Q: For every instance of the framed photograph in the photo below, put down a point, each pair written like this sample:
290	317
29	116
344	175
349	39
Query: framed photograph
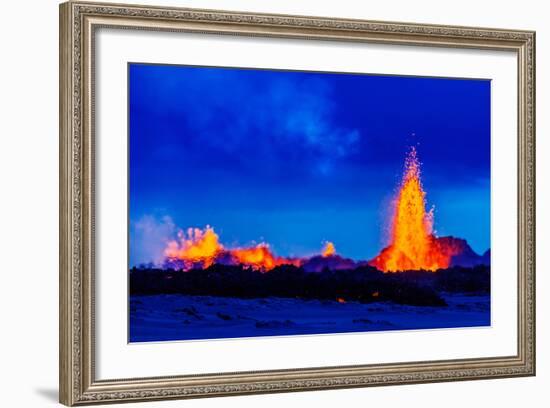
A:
256	203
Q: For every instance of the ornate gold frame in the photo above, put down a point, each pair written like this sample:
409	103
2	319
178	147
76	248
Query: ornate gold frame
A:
78	21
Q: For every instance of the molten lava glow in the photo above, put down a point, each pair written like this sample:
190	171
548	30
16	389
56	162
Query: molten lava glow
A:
413	245
258	257
329	250
261	257
202	248
195	246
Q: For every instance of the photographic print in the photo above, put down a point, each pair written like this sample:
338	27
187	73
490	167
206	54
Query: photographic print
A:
270	202
253	203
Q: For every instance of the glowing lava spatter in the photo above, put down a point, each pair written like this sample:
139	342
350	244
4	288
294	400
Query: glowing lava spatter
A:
413	245
261	257
328	250
195	246
201	248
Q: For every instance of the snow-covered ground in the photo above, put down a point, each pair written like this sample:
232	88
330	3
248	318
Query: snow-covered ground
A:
180	317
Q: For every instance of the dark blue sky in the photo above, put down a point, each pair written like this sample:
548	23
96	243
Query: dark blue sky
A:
296	158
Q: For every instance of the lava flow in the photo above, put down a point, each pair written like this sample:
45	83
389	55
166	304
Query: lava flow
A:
413	245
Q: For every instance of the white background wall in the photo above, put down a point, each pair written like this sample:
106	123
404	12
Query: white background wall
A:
29	193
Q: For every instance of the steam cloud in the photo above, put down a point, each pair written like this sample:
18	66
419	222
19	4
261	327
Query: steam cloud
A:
148	239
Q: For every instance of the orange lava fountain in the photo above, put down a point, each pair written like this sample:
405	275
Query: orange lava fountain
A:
413	245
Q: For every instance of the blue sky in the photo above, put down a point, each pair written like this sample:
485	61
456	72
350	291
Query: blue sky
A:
297	158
